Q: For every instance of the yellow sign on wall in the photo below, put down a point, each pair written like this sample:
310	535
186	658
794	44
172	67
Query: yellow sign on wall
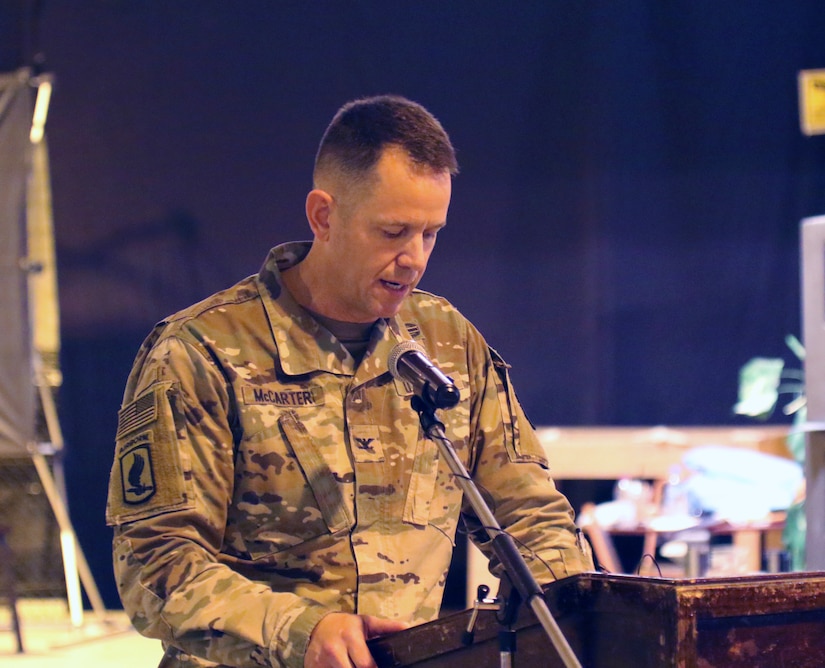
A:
812	101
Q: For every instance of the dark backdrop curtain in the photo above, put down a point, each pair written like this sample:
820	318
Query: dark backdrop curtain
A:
16	382
624	229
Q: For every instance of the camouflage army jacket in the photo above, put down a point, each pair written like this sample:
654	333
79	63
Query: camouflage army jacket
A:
263	479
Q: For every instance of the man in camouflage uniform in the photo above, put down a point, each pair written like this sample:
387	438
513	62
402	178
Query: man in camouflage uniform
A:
275	502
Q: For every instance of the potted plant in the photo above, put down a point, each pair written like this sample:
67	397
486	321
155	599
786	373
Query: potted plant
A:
761	382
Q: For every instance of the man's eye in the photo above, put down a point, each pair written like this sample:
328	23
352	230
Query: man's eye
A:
393	234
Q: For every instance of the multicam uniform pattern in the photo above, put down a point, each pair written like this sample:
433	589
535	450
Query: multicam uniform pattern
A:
263	479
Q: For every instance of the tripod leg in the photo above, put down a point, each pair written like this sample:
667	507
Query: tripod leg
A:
73	557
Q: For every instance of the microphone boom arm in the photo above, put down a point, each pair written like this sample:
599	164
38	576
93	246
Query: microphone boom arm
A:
503	545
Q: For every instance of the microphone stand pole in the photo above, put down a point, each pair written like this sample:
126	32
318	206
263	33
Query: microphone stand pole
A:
503	545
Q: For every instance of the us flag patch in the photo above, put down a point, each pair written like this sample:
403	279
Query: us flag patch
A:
138	414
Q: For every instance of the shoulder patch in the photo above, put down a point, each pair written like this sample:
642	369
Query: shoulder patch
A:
138	414
137	475
148	476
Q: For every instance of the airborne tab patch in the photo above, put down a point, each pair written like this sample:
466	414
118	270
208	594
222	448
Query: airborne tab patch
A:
284	397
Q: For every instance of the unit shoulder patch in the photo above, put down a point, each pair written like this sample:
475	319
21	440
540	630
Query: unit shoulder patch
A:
137	475
148	476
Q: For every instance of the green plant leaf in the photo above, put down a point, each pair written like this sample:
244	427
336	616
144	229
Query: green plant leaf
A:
758	387
794	344
793	535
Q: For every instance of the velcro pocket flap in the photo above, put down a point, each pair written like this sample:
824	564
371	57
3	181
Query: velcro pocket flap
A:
324	487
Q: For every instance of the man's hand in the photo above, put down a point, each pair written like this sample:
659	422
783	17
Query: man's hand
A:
340	640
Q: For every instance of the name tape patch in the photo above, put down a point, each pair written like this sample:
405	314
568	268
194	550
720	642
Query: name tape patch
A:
312	395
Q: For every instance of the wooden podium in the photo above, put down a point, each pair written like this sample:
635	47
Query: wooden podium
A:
613	621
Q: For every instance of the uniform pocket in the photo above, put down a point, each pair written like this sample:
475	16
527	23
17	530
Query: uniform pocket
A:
286	496
422	484
324	487
522	445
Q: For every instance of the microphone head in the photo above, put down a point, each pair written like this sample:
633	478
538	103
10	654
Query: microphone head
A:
397	351
430	382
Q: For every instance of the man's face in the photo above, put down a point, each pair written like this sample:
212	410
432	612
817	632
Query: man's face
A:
381	238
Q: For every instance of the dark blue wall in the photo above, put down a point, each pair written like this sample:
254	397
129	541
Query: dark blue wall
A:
624	229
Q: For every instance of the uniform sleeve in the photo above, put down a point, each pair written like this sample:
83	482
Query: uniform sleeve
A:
170	487
510	467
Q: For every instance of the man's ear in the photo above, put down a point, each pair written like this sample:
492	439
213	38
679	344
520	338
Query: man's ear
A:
318	208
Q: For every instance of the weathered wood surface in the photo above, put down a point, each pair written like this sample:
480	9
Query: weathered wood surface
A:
613	621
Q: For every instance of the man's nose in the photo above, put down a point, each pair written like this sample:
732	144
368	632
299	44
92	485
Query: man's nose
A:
414	255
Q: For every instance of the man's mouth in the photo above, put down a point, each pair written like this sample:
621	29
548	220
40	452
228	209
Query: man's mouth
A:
395	287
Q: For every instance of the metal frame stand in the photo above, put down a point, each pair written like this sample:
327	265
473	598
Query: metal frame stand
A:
40	265
75	567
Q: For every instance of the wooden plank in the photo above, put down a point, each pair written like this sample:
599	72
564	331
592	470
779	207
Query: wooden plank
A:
618	621
610	453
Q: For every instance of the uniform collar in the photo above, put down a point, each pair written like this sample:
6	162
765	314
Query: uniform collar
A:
304	346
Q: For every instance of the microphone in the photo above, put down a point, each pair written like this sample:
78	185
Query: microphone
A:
408	362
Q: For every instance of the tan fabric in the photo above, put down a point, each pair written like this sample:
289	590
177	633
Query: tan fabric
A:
291	481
